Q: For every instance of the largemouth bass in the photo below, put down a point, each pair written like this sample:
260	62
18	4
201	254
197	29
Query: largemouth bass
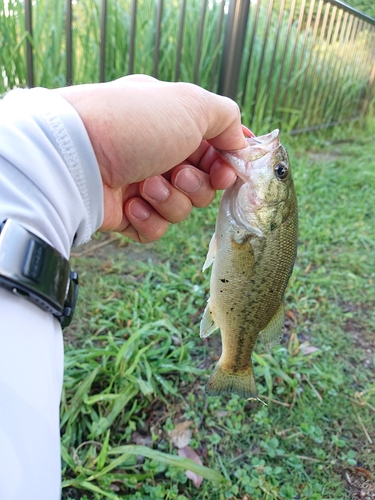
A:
253	252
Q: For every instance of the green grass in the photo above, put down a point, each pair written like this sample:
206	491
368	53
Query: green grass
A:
135	365
290	78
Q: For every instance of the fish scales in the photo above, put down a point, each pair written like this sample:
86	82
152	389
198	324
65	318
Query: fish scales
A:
253	257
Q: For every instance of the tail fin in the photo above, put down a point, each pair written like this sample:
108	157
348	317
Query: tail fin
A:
241	383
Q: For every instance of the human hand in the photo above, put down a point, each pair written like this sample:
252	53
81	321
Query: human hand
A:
154	142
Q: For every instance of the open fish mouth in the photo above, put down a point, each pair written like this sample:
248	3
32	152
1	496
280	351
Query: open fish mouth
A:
258	147
263	144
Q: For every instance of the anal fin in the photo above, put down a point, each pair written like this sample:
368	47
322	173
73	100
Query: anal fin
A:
211	253
273	332
207	323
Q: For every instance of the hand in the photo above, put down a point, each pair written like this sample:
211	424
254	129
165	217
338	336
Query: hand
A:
154	142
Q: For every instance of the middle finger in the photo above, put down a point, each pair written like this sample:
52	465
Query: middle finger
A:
171	203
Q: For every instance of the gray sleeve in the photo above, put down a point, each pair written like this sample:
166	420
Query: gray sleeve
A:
49	176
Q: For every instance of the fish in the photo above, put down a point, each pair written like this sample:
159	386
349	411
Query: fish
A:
252	254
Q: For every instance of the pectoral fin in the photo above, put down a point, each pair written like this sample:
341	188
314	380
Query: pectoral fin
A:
273	332
207	323
211	253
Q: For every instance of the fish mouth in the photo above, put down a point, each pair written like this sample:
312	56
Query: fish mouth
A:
257	147
263	144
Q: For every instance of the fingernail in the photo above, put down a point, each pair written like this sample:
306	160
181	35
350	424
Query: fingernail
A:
187	181
139	210
156	189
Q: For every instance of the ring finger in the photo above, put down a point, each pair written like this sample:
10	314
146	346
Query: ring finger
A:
168	201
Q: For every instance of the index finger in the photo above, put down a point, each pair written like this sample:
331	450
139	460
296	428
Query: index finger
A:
223	124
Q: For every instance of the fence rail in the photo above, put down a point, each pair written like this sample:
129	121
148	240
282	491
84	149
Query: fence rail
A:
289	63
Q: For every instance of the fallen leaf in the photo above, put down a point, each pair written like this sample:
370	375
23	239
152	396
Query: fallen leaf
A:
181	434
291	315
188	452
364	472
308	350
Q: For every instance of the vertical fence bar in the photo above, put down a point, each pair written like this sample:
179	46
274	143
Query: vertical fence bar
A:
272	65
343	56
366	93
370	88
325	66
260	67
103	36
133	23
200	39
306	34
234	41
309	73
286	44
159	16
360	58
248	62
291	67
300	62
180	40
337	38
69	43
217	41
310	112
348	67
29	47
363	62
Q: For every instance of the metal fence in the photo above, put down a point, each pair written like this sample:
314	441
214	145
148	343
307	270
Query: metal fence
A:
289	63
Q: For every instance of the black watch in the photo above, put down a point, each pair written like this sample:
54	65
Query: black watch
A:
31	268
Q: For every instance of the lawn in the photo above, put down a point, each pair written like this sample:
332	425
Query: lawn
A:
136	367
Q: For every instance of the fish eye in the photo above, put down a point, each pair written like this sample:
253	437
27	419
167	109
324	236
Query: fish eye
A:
281	171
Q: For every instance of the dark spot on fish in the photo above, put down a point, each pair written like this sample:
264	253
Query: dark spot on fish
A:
221	291
252	281
224	280
231	308
273	226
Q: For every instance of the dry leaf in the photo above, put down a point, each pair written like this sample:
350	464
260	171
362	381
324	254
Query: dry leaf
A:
181	434
306	350
291	315
364	472
188	452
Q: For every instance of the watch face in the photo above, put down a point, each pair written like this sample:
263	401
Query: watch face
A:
34	261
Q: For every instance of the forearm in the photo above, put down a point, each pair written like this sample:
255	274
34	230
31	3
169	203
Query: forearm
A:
50	182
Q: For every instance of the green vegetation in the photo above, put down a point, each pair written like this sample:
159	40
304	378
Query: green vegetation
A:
365	6
297	70
135	365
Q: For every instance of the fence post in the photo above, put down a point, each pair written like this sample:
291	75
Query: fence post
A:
233	48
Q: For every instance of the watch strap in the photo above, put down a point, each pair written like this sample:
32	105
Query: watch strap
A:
33	269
